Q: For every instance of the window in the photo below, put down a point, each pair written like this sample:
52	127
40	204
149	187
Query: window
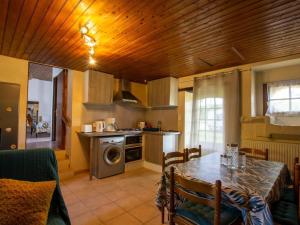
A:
283	102
211	121
284	98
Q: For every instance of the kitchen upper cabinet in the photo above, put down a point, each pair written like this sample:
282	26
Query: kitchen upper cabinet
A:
98	88
163	92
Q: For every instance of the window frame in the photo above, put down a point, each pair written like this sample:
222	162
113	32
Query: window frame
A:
266	98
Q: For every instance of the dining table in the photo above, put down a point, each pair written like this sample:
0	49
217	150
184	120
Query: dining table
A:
251	189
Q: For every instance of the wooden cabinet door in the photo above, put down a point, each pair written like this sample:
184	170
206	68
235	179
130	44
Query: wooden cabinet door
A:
163	92
153	148
98	88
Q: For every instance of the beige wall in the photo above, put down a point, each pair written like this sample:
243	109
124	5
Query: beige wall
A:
16	71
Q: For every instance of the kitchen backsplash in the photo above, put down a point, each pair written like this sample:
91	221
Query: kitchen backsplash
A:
127	116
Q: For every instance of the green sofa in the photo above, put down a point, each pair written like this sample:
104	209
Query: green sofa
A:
36	165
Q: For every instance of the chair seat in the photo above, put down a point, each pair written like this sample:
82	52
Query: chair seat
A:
285	213
204	215
55	220
288	195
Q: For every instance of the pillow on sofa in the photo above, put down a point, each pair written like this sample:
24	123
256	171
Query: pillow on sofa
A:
24	202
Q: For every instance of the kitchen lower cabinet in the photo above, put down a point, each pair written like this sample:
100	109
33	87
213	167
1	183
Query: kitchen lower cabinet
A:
155	144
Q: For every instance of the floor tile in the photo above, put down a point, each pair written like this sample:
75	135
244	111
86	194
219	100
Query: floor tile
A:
77	209
144	213
125	219
96	202
129	203
108	212
116	194
86	219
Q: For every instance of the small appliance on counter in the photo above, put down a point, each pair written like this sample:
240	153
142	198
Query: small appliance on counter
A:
141	125
99	126
110	124
86	128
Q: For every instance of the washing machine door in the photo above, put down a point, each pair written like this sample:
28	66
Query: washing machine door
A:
113	154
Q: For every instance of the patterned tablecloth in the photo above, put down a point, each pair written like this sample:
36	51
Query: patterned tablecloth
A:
250	189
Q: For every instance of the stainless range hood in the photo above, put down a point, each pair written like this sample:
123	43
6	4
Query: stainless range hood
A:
125	96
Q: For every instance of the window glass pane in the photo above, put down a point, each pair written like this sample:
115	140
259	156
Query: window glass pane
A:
219	137
219	102
202	114
202	135
295	90
277	106
210	125
202	103
210	114
295	105
279	92
210	137
219	125
202	124
210	103
219	114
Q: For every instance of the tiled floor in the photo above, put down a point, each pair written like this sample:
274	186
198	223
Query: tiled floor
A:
126	199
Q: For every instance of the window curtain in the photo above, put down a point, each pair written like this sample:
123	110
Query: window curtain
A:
216	111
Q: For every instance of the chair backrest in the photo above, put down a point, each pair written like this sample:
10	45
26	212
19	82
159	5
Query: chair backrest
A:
193	153
296	184
296	161
179	184
256	153
172	158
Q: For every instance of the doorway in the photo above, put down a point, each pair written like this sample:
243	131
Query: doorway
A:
46	107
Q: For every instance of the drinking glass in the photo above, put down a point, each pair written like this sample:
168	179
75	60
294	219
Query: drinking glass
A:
242	160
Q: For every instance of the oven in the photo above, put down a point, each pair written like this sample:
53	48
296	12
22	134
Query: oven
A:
133	147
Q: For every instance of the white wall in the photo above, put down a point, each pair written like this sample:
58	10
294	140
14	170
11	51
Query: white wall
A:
42	91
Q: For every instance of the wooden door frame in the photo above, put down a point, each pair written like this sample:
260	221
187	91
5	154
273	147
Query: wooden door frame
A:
65	119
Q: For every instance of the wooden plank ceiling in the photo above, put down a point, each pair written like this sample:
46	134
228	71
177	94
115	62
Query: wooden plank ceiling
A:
144	40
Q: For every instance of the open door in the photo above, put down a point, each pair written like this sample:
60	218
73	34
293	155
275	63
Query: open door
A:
59	121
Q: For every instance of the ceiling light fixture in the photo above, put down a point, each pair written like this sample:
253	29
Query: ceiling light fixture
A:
92	51
90	41
84	30
92	61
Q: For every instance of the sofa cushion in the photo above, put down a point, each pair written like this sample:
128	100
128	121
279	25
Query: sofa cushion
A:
204	215
24	202
285	213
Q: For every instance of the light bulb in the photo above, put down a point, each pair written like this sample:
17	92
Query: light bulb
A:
92	51
92	61
89	24
84	30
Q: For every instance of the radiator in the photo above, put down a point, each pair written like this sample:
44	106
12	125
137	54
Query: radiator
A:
278	151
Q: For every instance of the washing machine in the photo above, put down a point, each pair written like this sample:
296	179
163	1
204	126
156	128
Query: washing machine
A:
109	156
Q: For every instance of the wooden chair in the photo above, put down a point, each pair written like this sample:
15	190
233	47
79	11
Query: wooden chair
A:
196	208
193	153
172	158
290	193
169	159
284	212
256	153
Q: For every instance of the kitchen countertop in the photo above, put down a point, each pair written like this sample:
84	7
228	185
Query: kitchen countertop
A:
122	133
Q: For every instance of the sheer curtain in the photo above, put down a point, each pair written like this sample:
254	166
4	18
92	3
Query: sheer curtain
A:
216	111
